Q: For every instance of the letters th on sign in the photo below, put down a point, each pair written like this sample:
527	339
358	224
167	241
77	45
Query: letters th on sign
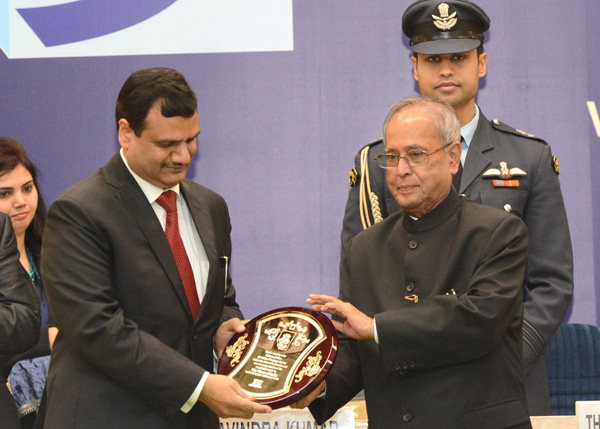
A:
588	414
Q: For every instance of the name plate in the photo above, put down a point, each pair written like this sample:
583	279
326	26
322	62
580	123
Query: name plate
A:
288	418
588	414
283	355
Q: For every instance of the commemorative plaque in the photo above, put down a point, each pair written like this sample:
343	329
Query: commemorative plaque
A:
282	356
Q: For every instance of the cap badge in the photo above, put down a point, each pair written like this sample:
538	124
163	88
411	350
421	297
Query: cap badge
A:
503	172
447	18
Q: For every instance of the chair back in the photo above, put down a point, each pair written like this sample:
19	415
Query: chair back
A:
573	367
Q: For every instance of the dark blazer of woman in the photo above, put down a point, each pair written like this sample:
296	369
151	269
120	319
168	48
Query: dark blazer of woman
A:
19	314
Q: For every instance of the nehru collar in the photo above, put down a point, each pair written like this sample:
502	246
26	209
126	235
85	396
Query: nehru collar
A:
435	217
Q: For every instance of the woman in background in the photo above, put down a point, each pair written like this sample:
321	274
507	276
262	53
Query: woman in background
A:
20	200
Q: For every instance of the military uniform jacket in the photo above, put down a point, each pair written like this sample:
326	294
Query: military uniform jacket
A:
128	353
446	295
537	200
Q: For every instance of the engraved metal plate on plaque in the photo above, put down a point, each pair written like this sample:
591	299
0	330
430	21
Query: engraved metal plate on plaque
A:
282	356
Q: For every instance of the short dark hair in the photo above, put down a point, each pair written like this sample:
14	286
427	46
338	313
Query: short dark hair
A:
146	87
480	49
13	154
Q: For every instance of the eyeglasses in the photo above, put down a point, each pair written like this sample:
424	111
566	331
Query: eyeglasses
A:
414	158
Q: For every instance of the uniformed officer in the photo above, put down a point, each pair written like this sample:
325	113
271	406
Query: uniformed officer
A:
501	167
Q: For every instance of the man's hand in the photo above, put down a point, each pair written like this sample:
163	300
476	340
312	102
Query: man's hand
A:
357	325
306	401
226	398
226	331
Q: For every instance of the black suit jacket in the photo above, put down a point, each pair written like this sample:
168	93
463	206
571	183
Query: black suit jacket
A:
128	353
548	285
19	313
446	295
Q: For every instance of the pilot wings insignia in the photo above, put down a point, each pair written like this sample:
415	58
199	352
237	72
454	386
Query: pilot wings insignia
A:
503	172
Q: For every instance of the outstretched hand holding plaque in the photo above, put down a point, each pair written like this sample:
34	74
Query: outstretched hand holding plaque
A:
282	356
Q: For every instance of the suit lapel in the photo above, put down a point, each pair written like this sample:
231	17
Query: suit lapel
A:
135	202
477	160
204	225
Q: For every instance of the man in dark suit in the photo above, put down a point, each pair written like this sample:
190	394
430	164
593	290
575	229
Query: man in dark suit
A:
19	314
502	167
135	261
431	297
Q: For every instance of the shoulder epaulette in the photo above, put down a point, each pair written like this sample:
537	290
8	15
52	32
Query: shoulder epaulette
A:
373	143
501	126
368	201
354	174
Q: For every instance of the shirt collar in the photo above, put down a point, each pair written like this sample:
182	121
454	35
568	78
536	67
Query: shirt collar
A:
151	191
468	131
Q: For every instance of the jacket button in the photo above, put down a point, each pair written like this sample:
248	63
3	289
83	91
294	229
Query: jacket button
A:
412	244
404	365
397	366
412	364
194	337
410	287
407	417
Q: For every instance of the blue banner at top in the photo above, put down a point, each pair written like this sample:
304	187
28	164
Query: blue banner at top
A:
143	27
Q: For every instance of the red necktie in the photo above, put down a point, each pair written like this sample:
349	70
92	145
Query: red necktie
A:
167	201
